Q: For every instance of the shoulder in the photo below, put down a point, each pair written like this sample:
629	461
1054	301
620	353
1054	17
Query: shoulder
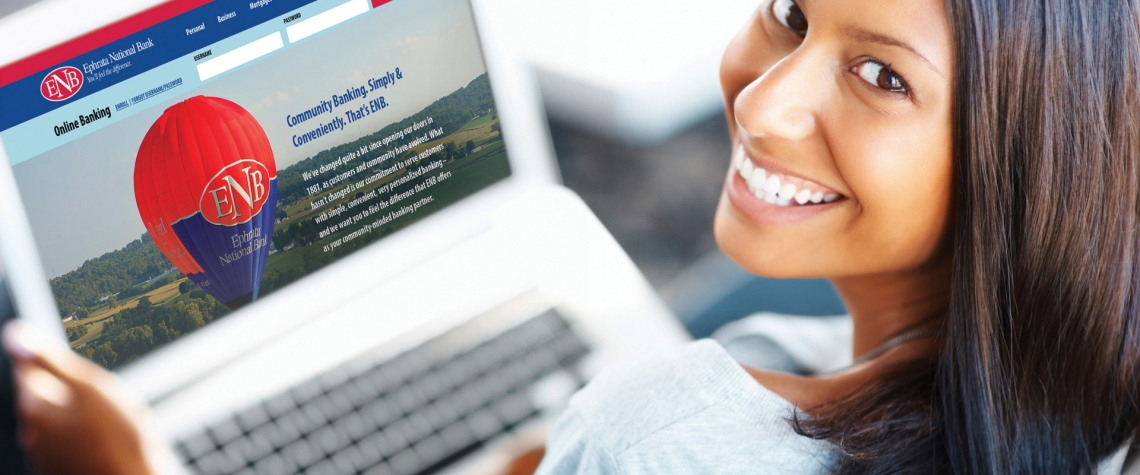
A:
687	409
666	385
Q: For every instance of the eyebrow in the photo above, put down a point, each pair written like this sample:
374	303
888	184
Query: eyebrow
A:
859	34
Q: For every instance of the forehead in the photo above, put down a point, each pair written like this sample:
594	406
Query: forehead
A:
922	24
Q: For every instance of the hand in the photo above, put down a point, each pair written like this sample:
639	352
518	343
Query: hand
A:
74	416
527	463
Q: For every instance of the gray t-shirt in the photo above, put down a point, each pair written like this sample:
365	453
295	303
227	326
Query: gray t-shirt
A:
685	410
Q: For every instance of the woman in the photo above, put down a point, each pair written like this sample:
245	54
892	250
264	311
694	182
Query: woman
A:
967	173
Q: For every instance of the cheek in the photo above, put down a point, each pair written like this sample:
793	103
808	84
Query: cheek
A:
902	184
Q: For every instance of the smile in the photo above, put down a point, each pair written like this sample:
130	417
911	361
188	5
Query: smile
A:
778	188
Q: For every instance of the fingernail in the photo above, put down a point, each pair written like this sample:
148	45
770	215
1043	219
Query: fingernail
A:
18	341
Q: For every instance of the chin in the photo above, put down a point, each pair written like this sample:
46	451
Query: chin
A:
752	248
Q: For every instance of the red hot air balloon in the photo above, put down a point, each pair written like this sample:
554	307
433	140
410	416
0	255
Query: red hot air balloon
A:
206	188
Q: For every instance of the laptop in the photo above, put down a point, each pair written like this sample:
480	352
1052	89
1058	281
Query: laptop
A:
318	236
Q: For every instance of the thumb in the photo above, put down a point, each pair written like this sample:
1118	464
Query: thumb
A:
26	345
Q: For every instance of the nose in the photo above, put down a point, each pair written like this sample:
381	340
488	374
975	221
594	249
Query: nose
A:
782	103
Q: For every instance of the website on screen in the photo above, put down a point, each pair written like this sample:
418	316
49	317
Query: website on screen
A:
192	167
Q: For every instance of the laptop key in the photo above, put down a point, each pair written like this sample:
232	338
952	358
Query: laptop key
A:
361	391
440	414
280	404
405	463
232	461
455	373
306	392
329	440
394	441
225	431
364	456
381	411
336	404
515	373
275	464
466	399
314	414
407	399
569	346
432	386
414	428
210	464
253	417
380	469
385	378
283	432
256	446
199	445
430	450
483	424
514	408
542	362
355	426
457	436
302	453
344	460
324	467
376	444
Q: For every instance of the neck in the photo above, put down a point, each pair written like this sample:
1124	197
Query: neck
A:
883	305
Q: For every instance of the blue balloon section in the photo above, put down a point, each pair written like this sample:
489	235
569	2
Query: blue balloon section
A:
232	257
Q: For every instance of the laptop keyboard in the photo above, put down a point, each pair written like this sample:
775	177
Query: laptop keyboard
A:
408	415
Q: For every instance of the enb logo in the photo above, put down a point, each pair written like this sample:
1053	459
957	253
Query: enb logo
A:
61	83
236	194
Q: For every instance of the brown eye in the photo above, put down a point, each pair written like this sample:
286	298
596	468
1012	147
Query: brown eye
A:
880	76
790	15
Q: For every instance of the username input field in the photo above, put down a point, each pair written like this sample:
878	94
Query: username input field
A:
328	18
241	55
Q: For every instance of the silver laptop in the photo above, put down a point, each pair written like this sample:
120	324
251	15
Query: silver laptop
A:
318	236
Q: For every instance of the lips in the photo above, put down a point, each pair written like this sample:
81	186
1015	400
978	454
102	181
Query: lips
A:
779	188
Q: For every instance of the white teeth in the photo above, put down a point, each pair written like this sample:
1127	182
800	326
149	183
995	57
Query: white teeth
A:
756	181
747	169
772	186
770	189
787	191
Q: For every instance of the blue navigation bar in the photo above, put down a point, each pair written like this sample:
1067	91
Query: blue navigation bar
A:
135	54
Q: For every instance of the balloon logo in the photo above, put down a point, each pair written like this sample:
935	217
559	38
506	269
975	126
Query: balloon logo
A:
206	188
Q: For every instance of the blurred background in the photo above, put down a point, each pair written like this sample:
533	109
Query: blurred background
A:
637	119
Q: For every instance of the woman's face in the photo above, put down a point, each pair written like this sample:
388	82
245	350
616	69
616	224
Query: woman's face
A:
840	115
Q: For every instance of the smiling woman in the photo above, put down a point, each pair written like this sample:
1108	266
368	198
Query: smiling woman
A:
967	174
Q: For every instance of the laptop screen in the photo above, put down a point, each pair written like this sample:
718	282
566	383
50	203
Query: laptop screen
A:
185	170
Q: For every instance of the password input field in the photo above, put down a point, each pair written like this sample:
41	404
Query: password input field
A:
241	55
326	19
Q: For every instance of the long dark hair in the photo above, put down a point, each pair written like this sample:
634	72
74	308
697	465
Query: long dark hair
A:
1040	364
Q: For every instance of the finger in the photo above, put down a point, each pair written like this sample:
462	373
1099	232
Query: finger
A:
45	409
41	399
25	343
